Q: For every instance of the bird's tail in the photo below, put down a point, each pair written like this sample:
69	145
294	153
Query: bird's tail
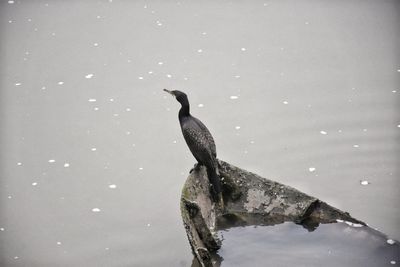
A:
215	184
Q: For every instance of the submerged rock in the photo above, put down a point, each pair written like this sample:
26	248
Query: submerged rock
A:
248	200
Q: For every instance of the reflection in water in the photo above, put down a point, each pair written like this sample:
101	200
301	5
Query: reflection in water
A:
288	244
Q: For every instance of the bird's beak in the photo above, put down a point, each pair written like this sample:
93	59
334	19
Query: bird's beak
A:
168	91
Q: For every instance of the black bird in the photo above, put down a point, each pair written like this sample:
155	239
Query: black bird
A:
200	142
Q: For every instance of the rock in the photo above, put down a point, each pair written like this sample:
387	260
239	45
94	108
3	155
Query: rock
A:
248	200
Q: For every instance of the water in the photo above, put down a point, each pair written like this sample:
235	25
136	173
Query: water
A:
289	244
306	94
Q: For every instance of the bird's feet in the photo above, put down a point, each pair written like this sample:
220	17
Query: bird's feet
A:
195	167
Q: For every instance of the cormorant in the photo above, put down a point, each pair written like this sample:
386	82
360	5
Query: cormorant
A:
200	142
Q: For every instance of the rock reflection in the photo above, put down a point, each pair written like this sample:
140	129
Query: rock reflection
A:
289	244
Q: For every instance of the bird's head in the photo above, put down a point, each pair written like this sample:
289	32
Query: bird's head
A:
181	97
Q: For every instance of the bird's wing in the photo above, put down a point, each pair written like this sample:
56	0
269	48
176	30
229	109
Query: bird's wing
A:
207	135
197	141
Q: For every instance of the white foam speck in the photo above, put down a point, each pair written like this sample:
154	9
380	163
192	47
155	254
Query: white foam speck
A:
237	127
96	210
112	186
11	2
96	108
390	241
285	102
66	165
115	114
200	105
150	72
52	160
364	182
148	225
19	163
128	109
60	83
34	183
237	76
204	33
398	126
2	229
394	91
16	258
89	76
9	197
107	248
92	100
233	97
96	44
141	168
323	132
356	146
58	243
18	84
306	23
251	142
93	149
393	262
398	70
158	23
311	169
200	50
160	63
243	49
140	78
169	75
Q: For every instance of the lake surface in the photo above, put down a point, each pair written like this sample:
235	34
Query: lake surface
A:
288	244
92	158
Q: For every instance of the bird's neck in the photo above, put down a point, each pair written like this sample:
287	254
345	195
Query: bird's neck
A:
185	110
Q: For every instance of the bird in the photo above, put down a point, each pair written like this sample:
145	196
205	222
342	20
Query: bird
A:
200	142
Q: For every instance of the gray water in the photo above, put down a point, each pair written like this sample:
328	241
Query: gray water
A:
288	244
92	159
